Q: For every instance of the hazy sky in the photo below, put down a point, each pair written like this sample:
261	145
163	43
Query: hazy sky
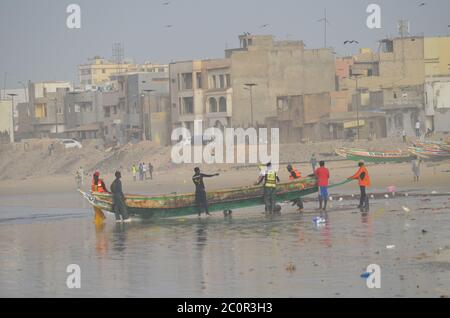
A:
36	44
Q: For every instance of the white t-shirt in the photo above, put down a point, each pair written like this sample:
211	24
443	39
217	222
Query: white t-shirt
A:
418	125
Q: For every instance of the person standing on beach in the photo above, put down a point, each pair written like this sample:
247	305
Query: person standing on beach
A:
144	171
323	177
418	129
120	208
150	170
313	162
200	191
362	175
416	169
404	136
134	172
141	172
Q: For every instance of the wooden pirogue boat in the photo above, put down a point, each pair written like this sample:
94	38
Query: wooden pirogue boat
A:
430	150
164	206
374	156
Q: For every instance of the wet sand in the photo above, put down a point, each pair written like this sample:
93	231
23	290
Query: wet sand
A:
249	255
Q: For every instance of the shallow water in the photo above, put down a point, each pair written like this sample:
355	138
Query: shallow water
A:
247	255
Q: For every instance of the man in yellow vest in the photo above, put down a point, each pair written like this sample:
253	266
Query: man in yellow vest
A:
270	186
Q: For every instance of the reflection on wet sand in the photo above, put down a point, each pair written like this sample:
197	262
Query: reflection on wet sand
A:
249	255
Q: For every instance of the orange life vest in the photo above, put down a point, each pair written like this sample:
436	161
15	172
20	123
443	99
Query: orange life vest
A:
97	187
364	182
297	174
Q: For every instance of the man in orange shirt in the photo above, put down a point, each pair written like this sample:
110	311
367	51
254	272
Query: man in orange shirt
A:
323	177
364	182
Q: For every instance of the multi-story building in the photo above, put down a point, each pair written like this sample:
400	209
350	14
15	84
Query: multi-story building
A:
84	114
47	107
139	109
99	70
6	121
275	68
201	91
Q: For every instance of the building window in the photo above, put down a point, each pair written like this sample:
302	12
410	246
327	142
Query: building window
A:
214	83
40	111
222	81
187	80
387	46
199	80
228	80
188	103
223	105
76	108
212	105
107	112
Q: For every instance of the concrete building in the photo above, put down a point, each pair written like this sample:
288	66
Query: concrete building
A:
129	111
47	107
437	108
98	70
201	91
300	117
84	115
6	121
278	68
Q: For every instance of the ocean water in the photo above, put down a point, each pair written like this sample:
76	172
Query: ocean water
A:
248	255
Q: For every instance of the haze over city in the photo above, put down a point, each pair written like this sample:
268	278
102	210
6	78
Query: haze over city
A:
37	45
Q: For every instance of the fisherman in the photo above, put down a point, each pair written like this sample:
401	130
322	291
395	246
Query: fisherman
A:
97	184
200	191
294	174
270	179
120	209
323	177
362	175
313	162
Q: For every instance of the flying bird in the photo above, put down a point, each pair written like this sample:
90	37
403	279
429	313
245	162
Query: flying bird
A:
352	41
165	3
422	4
168	25
264	25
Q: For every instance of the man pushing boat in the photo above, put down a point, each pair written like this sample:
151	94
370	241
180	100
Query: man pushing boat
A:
200	191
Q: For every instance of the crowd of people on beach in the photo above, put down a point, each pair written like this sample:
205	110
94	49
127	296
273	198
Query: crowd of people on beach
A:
142	171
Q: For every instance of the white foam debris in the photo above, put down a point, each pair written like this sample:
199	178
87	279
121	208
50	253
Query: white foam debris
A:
386	196
341	199
331	198
433	192
406	209
390	247
372	196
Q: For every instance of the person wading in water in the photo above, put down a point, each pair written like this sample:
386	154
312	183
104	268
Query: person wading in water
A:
120	209
200	191
362	175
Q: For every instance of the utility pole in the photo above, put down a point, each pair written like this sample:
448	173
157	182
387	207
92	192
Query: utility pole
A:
56	114
144	136
250	86
325	22
11	133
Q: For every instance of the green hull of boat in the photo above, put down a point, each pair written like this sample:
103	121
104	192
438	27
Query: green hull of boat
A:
378	159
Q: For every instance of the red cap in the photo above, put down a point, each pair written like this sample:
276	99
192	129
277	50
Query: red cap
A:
97	174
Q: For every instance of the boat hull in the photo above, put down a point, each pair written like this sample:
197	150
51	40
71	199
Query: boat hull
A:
218	201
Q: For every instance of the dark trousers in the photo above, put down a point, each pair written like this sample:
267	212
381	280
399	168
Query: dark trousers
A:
120	209
269	199
201	202
364	199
